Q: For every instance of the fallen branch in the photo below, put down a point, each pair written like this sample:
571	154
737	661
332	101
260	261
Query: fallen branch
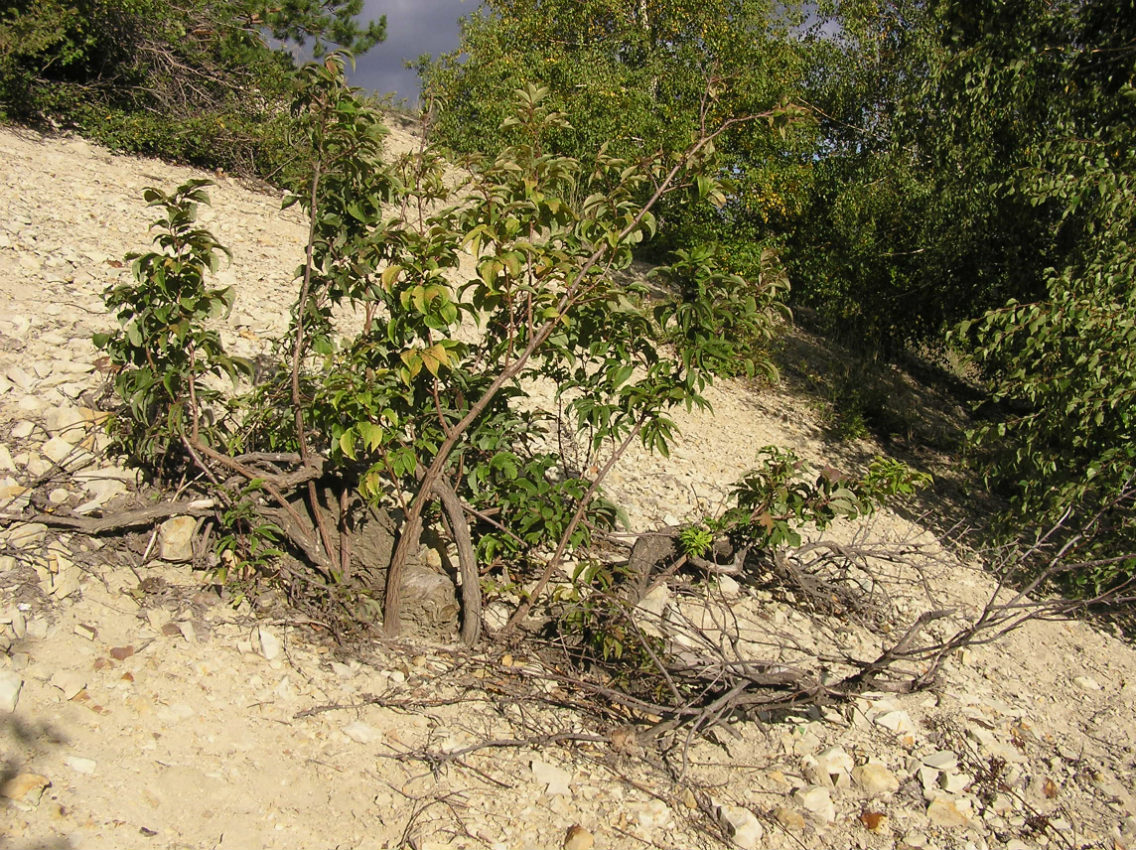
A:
119	521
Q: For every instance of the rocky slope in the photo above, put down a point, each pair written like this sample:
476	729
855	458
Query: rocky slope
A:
138	710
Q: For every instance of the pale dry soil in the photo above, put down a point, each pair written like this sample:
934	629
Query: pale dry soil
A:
137	709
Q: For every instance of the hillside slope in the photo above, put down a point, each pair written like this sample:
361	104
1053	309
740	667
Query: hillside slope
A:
138	709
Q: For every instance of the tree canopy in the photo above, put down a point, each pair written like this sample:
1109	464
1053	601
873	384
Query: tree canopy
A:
637	77
193	80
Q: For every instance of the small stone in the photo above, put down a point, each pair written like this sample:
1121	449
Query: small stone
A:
25	788
80	765
789	818
68	681
11	490
270	646
914	840
1086	683
66	422
59	577
102	490
648	612
86	632
362	733
949	812
26	534
689	800
817	801
66	455
30	404
6	462
954	783
832	768
941	760
875	779
729	587
10	685
59	496
496	614
175	539
741	825
578	838
20	378
1002	805
38	466
654	814
121	653
928	780
555	780
22	429
896	722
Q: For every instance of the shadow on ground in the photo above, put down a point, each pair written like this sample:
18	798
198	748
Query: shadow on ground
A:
23	742
917	411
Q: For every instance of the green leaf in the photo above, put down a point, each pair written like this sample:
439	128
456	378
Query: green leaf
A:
347	443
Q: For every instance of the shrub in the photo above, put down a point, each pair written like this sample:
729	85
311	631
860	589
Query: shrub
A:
404	410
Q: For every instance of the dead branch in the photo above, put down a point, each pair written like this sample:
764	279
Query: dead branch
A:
119	521
439	757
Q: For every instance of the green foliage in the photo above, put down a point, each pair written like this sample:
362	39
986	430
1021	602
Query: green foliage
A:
1065	365
908	226
535	221
720	313
977	166
780	495
248	547
193	81
696	540
162	350
637	77
1060	364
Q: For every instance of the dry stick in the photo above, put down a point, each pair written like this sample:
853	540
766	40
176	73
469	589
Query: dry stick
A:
866	677
126	519
412	528
299	534
438	756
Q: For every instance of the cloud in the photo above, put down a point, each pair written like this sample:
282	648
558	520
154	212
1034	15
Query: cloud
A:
414	27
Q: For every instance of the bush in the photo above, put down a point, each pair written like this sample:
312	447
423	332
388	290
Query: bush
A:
404	411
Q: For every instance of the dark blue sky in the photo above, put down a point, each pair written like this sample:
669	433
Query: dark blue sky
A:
414	27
